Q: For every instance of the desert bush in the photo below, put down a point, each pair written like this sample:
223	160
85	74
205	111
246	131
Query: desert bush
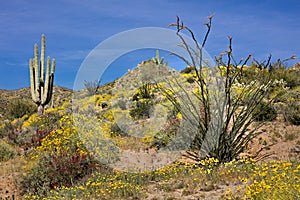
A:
13	130
286	94
291	77
6	151
187	70
144	92
17	108
190	80
292	112
3	131
263	71
61	159
92	87
142	109
164	136
144	101
279	94
27	133
50	121
57	170
30	138
254	72
24	138
116	130
264	112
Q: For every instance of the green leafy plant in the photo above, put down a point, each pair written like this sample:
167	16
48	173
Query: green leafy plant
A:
165	136
17	108
279	71
13	130
292	112
144	92
116	130
6	151
142	109
264	112
144	101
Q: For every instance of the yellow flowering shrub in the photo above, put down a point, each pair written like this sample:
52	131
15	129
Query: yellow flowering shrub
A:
31	120
62	139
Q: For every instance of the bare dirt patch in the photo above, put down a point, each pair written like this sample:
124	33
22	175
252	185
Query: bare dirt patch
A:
9	177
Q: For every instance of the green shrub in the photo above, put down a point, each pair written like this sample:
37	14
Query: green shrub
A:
276	71
13	130
17	108
50	121
253	73
29	135
3	131
291	77
286	95
144	92
264	112
163	137
17	135
144	101
115	129
6	152
187	70
92	87
142	109
292	113
190	80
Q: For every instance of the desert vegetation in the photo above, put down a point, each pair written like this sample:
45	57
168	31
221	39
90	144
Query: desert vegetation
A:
236	125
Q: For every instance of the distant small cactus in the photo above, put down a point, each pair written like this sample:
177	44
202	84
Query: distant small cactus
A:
157	60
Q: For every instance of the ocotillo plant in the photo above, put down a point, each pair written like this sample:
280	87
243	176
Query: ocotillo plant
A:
219	120
41	84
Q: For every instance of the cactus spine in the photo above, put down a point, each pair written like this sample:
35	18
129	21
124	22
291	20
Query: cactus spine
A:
41	84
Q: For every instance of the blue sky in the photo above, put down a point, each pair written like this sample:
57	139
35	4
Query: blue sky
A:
74	27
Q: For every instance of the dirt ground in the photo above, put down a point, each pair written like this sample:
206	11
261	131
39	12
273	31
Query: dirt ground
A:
9	177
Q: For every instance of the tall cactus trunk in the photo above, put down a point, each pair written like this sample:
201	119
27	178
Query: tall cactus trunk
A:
40	110
41	82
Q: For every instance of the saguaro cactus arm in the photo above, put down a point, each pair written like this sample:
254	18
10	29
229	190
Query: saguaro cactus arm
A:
48	88
36	74
42	65
32	80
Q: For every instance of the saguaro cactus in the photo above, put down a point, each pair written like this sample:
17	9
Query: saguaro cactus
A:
157	60
41	84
